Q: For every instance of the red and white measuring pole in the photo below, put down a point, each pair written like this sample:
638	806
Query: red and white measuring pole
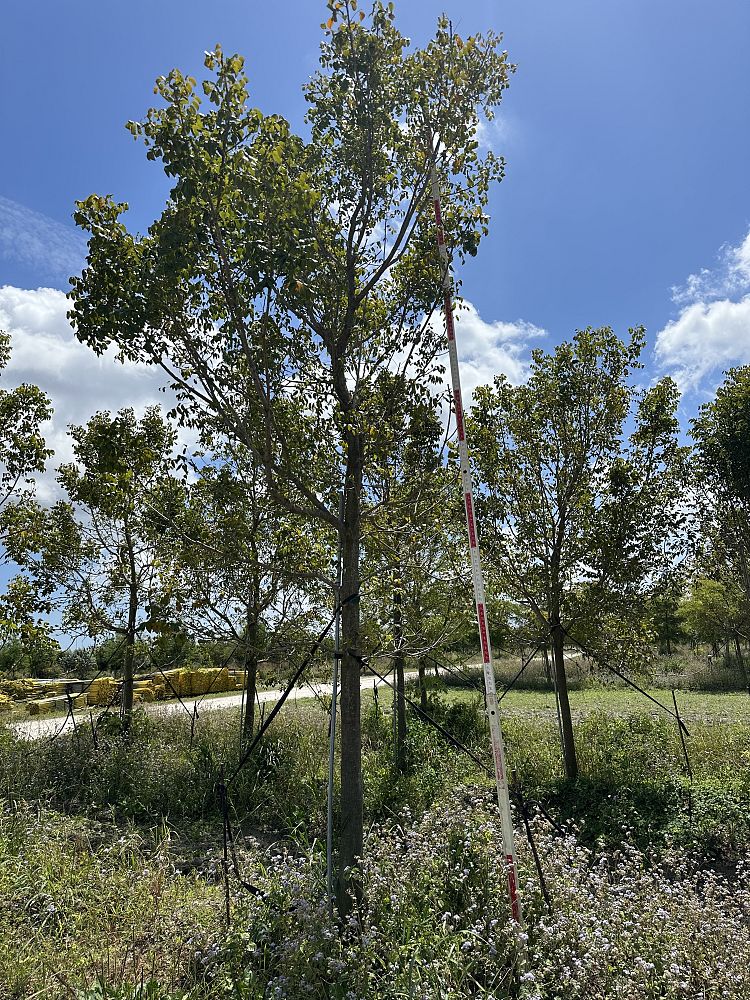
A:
493	711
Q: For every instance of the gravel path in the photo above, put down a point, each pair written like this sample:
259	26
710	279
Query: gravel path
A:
35	728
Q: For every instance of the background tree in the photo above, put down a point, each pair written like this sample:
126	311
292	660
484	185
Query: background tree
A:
284	277
23	452
712	612
241	569
721	433
22	449
574	514
414	554
94	556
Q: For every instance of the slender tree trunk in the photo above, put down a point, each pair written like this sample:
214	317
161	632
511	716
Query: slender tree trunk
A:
547	666
127	674
569	747
351	738
740	659
251	674
398	663
422	685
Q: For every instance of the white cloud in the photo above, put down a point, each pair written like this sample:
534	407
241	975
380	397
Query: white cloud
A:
46	353
712	331
729	277
54	251
705	338
489	349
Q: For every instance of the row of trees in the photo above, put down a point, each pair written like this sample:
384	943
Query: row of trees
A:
288	292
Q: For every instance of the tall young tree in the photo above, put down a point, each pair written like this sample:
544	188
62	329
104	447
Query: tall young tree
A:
414	552
239	568
94	556
722	476
23	453
284	276
575	514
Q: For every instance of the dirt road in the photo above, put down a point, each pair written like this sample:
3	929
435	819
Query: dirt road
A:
35	728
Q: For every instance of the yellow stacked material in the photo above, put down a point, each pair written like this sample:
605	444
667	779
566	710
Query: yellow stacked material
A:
22	688
238	680
80	700
46	704
6	703
49	690
177	682
102	690
209	681
144	694
160	690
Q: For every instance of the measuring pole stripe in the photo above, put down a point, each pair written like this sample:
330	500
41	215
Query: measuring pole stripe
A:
449	313
470	520
493	713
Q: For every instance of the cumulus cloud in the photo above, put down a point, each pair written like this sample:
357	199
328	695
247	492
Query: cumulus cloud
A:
46	353
706	338
712	331
54	251
729	277
489	349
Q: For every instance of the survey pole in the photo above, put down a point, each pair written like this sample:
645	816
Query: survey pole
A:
493	711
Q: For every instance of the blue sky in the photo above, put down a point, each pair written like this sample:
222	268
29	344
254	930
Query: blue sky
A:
626	199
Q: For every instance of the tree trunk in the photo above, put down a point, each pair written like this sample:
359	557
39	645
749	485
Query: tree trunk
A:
422	685
740	659
398	663
569	747
351	739
127	674
251	675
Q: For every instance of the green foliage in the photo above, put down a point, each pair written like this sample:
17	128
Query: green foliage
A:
722	464
93	556
711	610
22	448
722	436
567	504
94	908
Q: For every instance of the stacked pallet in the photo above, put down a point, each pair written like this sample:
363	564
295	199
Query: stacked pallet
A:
42	705
102	691
176	682
209	681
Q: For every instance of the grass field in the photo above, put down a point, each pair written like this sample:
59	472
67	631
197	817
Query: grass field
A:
111	858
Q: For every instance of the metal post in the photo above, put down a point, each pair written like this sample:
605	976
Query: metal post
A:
334	698
493	711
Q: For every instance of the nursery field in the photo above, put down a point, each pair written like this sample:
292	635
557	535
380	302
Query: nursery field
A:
113	884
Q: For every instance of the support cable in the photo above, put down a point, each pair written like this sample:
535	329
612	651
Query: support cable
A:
618	673
290	687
